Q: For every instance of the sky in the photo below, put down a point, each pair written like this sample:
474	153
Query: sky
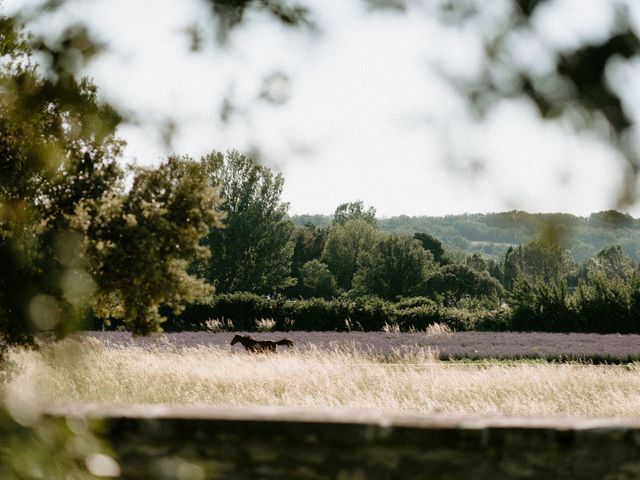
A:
360	110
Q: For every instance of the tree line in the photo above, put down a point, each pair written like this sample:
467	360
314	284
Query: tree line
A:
351	269
260	250
491	234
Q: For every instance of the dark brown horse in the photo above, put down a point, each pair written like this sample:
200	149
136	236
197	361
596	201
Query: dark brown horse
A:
259	346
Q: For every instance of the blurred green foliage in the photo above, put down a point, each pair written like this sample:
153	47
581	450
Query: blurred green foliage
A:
53	448
71	236
74	241
230	13
57	148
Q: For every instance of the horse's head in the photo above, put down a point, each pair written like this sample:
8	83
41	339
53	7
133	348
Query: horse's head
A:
236	339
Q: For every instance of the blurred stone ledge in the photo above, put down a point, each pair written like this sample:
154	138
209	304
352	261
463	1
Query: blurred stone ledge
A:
152	441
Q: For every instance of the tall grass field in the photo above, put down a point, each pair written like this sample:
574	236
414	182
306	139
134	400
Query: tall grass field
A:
86	370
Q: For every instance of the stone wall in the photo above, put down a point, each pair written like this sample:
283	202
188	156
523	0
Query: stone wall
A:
273	443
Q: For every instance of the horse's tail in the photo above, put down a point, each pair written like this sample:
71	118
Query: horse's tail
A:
285	342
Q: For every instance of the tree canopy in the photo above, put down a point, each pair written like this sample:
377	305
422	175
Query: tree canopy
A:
394	266
540	260
253	251
354	211
343	247
317	280
139	245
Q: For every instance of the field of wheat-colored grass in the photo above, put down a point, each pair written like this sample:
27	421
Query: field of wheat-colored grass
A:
87	370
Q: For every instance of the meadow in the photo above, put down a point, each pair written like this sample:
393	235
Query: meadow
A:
106	369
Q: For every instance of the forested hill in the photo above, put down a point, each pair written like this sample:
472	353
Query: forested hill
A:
492	233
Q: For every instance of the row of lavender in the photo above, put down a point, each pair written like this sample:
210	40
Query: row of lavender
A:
581	347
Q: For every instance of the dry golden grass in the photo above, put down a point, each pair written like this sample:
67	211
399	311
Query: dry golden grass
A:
438	330
411	381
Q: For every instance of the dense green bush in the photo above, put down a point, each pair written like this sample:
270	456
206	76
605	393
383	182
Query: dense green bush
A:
416	313
453	282
605	306
541	306
598	305
368	313
494	320
317	314
242	308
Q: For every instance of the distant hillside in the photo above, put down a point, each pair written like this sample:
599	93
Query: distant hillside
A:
493	233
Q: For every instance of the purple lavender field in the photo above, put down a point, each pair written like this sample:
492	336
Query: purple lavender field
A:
613	348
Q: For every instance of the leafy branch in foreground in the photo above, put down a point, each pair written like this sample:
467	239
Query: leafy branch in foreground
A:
57	147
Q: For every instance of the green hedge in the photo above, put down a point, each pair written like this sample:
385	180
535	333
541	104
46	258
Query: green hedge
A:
368	314
600	305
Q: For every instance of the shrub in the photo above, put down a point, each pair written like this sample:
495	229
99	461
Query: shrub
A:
604	306
601	305
411	302
453	282
317	314
542	307
417	318
193	318
243	309
496	320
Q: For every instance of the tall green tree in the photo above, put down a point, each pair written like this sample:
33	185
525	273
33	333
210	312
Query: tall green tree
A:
354	211
308	245
476	262
611	262
394	266
540	260
344	245
253	251
509	269
431	244
541	306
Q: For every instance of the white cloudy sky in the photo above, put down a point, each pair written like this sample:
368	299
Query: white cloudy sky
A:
367	114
